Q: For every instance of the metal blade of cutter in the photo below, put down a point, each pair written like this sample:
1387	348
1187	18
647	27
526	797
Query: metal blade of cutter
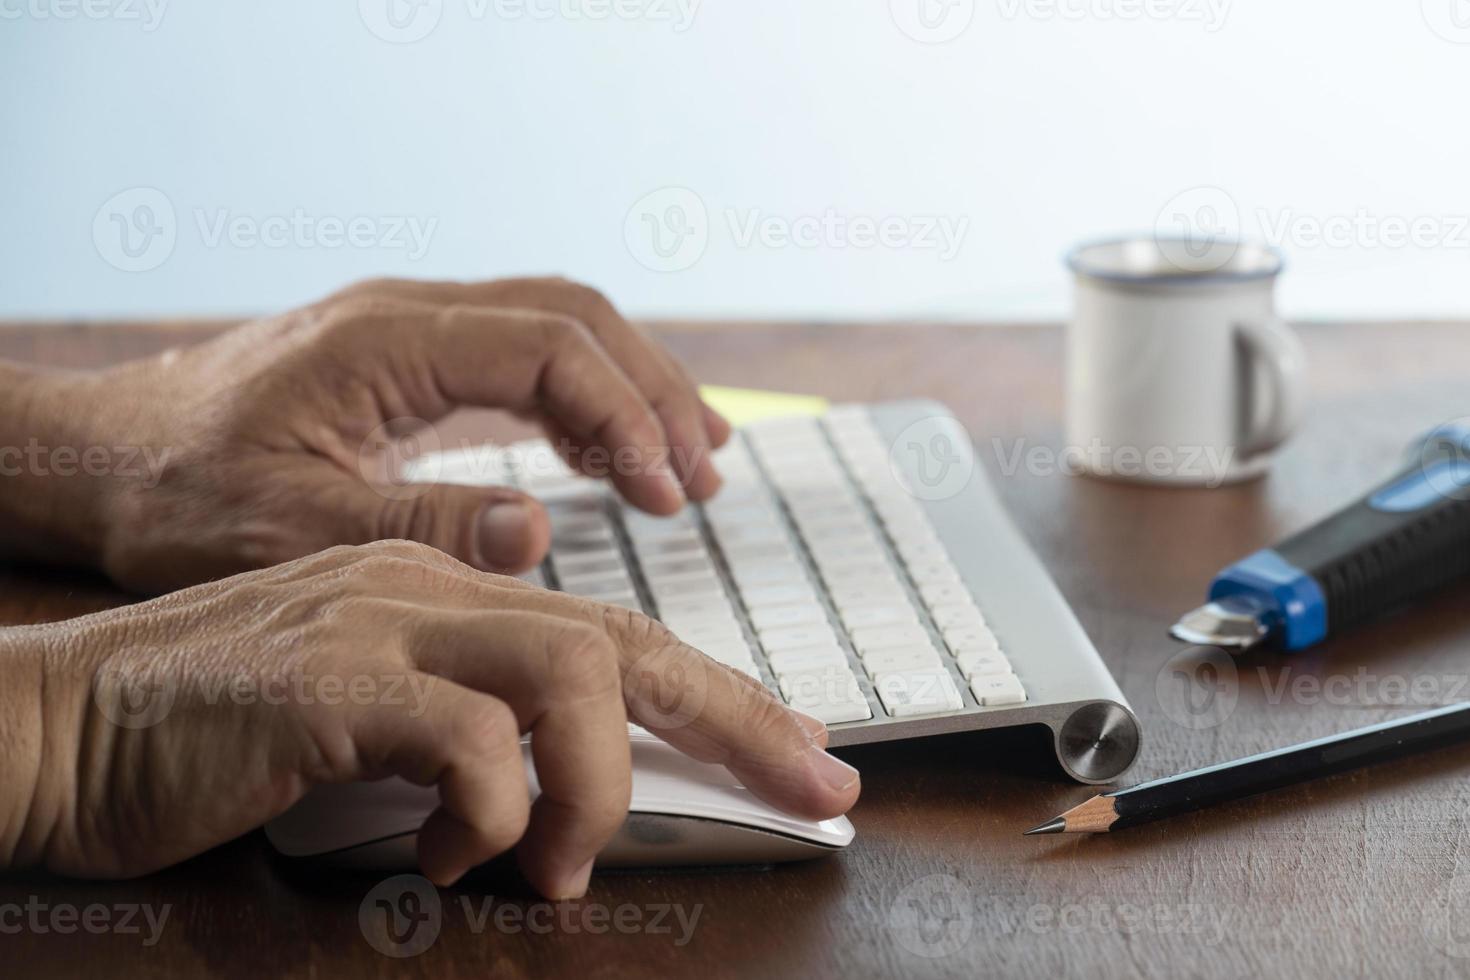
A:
1232	623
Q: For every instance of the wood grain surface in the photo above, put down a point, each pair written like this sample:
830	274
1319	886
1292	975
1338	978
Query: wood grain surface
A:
1364	875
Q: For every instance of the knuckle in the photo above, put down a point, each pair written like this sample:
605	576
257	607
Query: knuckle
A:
585	297
606	809
337	555
342	608
634	631
562	332
583	663
352	317
395	562
487	730
399	550
762	715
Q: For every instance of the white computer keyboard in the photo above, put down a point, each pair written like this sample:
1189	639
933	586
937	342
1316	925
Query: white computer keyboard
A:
858	564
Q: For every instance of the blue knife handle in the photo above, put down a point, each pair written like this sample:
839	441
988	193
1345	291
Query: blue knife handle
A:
1408	537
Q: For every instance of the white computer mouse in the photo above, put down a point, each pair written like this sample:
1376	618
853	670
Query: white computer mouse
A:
682	812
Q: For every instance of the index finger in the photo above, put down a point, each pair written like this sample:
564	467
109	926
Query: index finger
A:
693	427
715	714
526	360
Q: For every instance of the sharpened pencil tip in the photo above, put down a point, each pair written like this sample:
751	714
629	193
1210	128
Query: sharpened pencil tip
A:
1056	825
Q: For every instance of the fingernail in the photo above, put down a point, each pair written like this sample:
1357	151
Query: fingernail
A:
576	885
834	772
502	535
813	727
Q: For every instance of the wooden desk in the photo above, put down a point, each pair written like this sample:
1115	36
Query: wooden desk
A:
1361	875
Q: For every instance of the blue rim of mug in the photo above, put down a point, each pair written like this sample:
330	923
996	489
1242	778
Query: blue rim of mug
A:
1184	277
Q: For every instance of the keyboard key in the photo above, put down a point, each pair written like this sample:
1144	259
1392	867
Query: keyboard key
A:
749	669
646	527
696	607
740	552
666	579
806	659
831	695
945	593
901	659
974	663
796	637
763	529
997	689
731	656
734	646
671	546
888	637
918	692
956	614
667	566
581	529
851	570
917	550
750	574
856	617
599	563
966	638
687	587
859	592
777	595
815	507
934	573
566	546
833	528
595	584
698	632
775	617
858	546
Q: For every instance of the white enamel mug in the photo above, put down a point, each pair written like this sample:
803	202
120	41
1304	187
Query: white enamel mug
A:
1178	369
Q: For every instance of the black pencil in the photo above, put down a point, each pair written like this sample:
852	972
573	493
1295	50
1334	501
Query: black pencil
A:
1262	773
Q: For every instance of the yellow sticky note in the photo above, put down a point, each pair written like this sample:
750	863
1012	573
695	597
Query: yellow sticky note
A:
745	405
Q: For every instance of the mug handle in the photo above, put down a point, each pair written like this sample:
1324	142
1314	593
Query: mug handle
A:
1276	355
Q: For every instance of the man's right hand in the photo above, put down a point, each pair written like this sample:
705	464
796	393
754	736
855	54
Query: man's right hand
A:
144	735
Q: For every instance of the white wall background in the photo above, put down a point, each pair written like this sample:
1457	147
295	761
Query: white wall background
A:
519	134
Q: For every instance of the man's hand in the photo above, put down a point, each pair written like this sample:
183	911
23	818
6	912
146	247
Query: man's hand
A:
257	437
138	737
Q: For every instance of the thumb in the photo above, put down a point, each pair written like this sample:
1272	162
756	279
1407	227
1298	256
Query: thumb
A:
494	529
